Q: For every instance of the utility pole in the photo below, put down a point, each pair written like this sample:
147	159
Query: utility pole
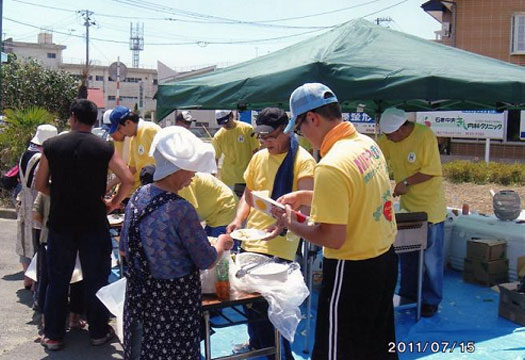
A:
87	23
382	20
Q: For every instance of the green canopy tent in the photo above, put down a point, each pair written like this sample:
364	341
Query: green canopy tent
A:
363	64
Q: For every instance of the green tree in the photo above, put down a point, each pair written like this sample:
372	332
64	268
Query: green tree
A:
28	83
18	128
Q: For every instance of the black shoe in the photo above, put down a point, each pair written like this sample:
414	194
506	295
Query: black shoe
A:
428	310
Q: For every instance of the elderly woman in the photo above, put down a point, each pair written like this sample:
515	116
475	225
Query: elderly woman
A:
166	246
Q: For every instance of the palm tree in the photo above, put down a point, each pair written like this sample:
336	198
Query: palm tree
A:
18	128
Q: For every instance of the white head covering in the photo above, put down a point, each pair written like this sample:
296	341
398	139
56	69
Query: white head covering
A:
175	147
44	132
391	120
105	118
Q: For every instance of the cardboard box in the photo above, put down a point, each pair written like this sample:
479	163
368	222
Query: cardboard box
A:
486	249
521	267
486	273
511	303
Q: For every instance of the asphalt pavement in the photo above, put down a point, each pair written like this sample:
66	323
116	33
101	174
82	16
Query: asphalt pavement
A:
19	325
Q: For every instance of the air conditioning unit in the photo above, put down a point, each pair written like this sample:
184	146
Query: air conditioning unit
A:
445	29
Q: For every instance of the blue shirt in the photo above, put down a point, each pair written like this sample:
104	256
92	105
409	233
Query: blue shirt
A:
173	239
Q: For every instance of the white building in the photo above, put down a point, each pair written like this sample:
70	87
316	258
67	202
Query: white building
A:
136	90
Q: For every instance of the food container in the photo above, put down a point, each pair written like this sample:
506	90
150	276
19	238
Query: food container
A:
271	271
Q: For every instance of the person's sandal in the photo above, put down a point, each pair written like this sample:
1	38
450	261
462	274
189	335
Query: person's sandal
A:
52	345
101	341
77	324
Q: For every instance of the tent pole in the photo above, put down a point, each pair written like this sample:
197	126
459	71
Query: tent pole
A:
376	129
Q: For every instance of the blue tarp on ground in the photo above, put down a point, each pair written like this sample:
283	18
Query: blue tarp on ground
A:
468	313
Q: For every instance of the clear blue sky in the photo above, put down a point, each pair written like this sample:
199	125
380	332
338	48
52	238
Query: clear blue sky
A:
201	32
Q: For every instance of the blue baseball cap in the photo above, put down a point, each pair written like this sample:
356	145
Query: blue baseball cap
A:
308	97
117	115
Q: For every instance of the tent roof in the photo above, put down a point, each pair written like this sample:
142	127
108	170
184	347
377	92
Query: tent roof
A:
363	64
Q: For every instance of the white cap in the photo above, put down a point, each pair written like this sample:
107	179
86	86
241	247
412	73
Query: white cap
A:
44	132
105	118
175	147
222	116
391	120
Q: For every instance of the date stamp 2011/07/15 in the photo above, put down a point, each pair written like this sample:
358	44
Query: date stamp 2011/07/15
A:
432	346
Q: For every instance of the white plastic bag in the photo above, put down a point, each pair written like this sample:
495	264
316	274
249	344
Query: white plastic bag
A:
75	277
208	280
284	293
113	296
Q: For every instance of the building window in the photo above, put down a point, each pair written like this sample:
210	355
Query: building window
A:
518	34
51	55
133	79
111	98
155	82
99	78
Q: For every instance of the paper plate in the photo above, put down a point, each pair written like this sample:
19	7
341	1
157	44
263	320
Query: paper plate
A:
248	234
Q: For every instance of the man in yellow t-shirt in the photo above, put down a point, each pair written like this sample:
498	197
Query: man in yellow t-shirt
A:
352	218
236	141
281	167
413	156
141	133
214	202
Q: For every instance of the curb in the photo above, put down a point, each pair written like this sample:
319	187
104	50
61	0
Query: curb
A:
7	213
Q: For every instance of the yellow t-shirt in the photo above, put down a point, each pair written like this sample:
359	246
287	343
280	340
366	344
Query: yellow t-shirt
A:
260	175
214	201
140	145
352	188
418	152
237	145
123	149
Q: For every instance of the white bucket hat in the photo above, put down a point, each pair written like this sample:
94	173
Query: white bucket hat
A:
391	120
44	132
175	148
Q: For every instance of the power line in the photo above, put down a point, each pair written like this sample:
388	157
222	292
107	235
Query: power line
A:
387	8
229	22
198	42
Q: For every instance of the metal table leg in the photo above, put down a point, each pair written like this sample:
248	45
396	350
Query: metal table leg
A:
207	344
277	345
419	283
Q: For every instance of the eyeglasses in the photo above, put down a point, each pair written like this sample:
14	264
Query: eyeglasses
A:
271	136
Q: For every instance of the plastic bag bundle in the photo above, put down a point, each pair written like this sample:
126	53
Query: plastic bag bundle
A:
76	276
113	296
284	291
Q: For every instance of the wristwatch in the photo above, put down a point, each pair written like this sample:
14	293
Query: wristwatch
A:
406	183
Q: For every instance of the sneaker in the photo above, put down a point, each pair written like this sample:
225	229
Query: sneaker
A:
101	341
51	345
428	310
242	348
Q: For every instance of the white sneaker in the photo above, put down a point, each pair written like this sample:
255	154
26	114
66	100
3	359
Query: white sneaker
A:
242	348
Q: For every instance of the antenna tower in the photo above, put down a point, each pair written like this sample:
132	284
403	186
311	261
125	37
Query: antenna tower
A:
136	42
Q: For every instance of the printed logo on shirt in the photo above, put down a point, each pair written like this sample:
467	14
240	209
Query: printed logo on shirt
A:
411	157
367	163
141	150
240	138
386	209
